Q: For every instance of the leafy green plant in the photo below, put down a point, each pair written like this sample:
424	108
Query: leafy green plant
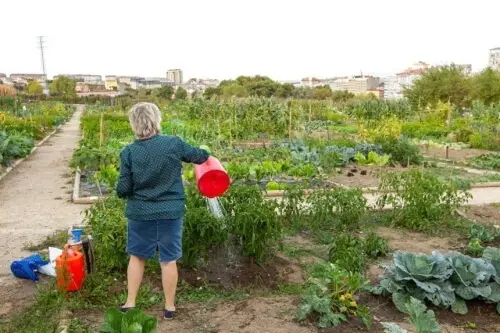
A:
478	231
419	200
372	159
107	175
133	321
347	252
336	209
487	161
471	280
331	297
424	321
274	186
202	232
375	246
444	280
253	221
474	247
109	230
402	150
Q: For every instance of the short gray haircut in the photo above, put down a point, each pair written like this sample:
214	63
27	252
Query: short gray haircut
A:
145	119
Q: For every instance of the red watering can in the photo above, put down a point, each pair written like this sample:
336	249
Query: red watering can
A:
213	181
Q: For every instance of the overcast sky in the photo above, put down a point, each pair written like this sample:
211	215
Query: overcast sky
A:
285	40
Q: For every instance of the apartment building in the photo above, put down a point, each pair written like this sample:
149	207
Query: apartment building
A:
40	78
88	78
111	82
495	58
175	75
394	86
311	82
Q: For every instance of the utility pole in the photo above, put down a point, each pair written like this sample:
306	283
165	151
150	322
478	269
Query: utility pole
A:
41	42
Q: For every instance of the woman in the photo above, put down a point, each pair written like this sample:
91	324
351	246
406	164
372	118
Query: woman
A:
150	180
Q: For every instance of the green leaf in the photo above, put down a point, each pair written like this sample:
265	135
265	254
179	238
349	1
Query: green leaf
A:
425	322
459	306
400	300
112	321
304	310
393	328
495	292
134	328
149	325
498	308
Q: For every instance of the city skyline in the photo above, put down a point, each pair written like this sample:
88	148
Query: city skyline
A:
222	39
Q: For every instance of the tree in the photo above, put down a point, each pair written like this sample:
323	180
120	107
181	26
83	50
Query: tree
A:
486	86
34	88
322	92
63	86
342	96
166	92
285	90
443	83
211	92
234	90
181	93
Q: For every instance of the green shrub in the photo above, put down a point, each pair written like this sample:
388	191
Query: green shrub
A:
402	151
109	231
202	232
338	209
253	221
330	297
347	252
419	200
484	140
375	246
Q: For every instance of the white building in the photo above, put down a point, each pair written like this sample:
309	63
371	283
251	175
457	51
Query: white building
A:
88	78
199	85
495	58
175	75
394	86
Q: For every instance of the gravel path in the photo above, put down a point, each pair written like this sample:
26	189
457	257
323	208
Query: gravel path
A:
35	197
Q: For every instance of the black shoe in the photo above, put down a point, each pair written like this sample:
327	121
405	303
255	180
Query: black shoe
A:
125	309
168	315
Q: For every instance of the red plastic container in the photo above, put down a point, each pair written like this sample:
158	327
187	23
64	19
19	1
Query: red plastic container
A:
213	181
70	269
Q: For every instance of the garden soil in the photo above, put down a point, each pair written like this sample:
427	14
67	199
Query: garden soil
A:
35	201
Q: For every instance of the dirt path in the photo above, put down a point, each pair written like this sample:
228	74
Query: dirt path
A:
35	202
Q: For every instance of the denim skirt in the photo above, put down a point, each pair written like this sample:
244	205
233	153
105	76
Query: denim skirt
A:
144	238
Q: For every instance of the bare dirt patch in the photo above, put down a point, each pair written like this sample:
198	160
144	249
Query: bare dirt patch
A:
453	155
487	214
415	242
274	314
245	273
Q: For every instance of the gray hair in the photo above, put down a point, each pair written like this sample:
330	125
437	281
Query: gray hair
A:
145	119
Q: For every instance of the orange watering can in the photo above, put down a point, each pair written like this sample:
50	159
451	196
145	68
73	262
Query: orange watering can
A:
70	269
213	181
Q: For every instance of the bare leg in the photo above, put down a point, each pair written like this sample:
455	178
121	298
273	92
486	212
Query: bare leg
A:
135	272
169	277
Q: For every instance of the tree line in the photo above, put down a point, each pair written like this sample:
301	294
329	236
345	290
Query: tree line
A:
451	84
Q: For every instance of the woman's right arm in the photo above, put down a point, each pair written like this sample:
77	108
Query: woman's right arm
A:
190	154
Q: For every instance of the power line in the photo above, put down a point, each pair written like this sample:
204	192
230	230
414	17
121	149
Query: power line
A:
41	42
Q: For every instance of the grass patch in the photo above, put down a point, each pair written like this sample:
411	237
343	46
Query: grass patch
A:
208	294
40	317
57	239
291	289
